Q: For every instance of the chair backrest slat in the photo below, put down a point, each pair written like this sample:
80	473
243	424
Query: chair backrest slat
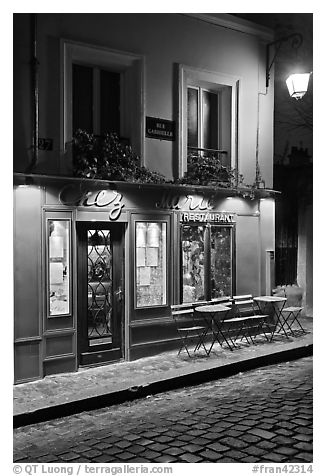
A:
244	305
182	315
244	302
182	312
243	296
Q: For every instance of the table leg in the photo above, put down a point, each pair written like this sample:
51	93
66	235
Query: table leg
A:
215	334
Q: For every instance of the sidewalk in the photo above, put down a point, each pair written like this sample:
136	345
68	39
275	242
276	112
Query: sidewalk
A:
65	394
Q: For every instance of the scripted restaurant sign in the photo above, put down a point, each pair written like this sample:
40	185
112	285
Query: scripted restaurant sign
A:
200	208
73	195
160	128
194	208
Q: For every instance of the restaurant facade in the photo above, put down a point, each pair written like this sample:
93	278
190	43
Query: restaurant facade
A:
98	262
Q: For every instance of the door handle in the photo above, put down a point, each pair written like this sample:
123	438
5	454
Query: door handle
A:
119	294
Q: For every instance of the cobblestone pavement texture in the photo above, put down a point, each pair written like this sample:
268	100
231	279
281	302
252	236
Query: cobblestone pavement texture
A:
63	388
264	415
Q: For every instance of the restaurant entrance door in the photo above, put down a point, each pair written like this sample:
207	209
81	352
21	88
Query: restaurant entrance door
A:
100	292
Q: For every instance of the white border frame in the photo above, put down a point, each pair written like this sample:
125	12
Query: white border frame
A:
121	62
186	76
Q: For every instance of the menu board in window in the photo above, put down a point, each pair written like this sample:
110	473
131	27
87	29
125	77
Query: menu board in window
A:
151	264
58	267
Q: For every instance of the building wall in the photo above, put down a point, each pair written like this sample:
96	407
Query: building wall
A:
164	40
28	325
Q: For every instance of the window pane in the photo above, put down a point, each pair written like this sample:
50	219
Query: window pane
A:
59	267
209	126
82	98
192	117
221	261
193	267
150	264
110	102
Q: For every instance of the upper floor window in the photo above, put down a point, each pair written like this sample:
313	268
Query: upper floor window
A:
96	99
202	130
102	91
208	111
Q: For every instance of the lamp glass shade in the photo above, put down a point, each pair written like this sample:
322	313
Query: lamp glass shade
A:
298	84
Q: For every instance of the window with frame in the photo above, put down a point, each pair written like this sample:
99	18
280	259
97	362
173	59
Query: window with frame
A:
58	265
102	91
150	264
208	108
207	262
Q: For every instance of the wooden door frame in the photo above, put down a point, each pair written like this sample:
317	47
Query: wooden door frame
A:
100	354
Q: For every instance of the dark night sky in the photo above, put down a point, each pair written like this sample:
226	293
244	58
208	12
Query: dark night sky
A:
291	116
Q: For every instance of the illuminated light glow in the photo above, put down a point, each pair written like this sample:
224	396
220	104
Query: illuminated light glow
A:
297	84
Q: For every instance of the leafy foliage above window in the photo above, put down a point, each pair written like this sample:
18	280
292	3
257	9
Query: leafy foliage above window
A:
106	157
207	169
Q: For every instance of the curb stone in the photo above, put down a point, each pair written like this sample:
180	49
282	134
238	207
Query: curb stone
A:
158	386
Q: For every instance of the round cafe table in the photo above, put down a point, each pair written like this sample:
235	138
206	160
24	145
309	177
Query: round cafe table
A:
277	303
213	316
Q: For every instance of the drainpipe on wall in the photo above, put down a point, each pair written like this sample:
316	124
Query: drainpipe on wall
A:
35	86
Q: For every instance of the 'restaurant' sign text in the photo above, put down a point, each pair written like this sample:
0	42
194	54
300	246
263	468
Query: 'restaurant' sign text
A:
195	208
220	217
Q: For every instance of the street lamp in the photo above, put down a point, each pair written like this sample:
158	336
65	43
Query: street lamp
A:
297	83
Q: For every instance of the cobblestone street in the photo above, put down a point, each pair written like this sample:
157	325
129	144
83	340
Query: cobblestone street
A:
263	415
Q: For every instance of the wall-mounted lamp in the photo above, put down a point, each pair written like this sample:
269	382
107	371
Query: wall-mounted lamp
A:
297	84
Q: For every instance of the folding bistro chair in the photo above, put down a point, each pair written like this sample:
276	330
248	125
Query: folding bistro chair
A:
248	322
190	331
290	316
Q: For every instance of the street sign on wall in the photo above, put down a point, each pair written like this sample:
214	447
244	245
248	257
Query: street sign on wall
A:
160	128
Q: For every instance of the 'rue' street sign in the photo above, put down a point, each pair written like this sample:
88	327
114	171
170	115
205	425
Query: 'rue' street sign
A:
160	128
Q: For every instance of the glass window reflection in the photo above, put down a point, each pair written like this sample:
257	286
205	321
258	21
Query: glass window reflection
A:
151	264
58	267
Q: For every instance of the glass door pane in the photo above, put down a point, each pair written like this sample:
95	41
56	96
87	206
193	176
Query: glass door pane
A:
193	263
110	102
221	261
192	121
82	117
209	117
99	282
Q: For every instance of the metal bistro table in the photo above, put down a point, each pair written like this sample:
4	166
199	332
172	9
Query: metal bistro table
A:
277	303
214	315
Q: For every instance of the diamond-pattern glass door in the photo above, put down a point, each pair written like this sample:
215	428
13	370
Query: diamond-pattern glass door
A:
99	283
100	292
